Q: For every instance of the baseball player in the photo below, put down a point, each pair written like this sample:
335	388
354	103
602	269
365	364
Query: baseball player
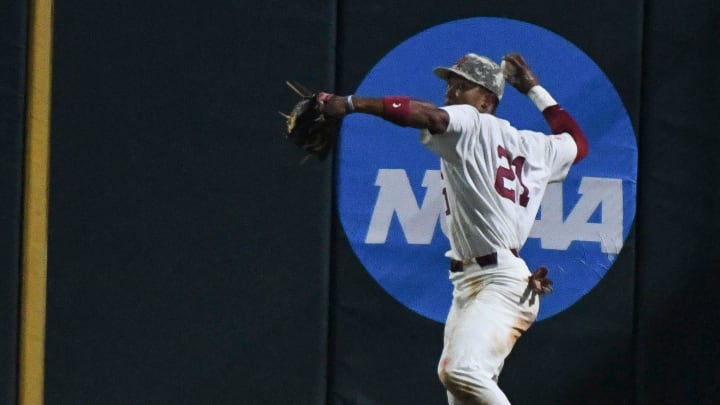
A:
494	177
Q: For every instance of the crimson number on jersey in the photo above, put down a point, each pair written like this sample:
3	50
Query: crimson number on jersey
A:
511	172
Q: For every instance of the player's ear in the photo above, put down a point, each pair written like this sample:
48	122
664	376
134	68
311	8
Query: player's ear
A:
493	101
488	104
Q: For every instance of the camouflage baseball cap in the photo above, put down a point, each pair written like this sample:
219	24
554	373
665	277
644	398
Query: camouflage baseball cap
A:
478	69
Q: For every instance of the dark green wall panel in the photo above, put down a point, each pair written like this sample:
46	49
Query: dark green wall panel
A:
13	47
679	220
188	254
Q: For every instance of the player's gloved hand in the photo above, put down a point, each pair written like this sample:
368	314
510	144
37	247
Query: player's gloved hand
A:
313	125
332	105
539	282
517	72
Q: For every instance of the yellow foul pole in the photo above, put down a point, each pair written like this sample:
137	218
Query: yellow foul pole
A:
35	214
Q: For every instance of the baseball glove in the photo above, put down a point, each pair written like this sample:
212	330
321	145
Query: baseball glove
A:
539	283
307	127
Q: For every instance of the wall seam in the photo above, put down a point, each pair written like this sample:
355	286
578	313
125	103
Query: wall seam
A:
334	57
636	372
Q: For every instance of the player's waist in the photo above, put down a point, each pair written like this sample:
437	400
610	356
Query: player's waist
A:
490	259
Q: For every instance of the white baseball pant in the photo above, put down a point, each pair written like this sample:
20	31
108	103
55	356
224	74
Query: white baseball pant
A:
491	308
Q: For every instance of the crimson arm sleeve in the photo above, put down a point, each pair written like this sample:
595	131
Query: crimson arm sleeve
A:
560	121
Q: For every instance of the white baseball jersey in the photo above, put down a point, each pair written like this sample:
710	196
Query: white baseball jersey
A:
494	178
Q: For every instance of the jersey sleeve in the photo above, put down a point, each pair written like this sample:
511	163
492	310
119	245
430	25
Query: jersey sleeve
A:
561	152
559	120
463	121
556	152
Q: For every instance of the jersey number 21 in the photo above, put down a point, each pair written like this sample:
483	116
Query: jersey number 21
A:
511	173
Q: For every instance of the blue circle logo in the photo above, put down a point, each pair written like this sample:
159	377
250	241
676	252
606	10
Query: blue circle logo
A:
388	183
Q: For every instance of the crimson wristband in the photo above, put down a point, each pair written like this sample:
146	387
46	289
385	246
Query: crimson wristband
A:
396	109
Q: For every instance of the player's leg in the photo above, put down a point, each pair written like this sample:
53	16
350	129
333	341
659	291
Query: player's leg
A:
481	331
474	351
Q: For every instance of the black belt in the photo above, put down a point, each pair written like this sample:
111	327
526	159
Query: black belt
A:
456	266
